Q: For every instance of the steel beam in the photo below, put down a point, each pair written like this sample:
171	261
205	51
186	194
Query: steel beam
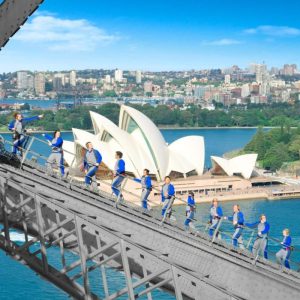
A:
164	261
13	14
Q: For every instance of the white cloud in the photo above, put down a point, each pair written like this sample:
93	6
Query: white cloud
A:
64	34
274	30
222	42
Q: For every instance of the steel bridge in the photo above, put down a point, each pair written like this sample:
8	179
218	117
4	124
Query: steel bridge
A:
151	253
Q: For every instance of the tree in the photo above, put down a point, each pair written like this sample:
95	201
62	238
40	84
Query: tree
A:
276	156
259	144
110	94
294	148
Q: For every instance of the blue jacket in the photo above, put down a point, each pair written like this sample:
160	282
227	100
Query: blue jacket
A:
120	167
191	205
147	180
59	141
219	212
240	218
97	156
24	121
286	243
191	201
255	224
171	192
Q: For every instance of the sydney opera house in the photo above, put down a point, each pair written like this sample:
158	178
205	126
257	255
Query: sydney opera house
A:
142	144
242	165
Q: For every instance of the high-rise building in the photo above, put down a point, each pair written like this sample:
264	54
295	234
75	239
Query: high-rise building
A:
245	90
30	82
261	73
264	88
39	83
22	80
289	70
107	79
138	77
252	68
148	87
199	91
73	78
62	77
57	83
227	79
118	75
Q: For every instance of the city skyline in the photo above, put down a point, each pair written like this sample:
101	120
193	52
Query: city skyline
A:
155	36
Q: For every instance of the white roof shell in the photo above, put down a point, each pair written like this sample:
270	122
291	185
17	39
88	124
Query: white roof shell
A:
142	144
243	164
149	135
187	154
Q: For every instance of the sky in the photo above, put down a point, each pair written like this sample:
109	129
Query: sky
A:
155	35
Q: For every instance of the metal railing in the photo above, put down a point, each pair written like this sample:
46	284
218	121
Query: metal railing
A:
195	227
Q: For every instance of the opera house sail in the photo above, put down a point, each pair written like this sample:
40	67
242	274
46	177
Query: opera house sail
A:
142	144
240	165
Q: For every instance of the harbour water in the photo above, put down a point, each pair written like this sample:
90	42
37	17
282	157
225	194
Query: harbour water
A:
19	282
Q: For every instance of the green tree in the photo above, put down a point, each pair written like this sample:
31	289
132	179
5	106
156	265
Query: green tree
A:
259	144
294	148
276	156
110	94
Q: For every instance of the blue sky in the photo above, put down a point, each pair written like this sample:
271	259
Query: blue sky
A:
155	35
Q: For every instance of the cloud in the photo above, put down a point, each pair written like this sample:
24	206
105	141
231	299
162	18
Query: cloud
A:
64	34
274	31
221	42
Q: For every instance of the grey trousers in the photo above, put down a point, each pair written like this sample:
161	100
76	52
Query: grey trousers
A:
55	160
92	179
259	246
144	198
282	257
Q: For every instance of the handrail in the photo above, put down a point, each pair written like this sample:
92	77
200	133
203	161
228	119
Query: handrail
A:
122	189
28	150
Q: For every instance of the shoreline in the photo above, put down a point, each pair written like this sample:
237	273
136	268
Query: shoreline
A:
226	198
215	128
168	128
236	198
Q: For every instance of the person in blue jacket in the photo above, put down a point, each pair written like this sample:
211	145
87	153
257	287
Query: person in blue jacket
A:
56	157
238	222
119	174
91	162
215	214
17	126
283	255
167	197
261	242
146	187
190	210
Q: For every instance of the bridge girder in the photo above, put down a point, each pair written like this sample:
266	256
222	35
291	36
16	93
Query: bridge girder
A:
220	272
32	213
13	14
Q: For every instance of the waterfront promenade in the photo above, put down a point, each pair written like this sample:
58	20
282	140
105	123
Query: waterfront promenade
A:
132	191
